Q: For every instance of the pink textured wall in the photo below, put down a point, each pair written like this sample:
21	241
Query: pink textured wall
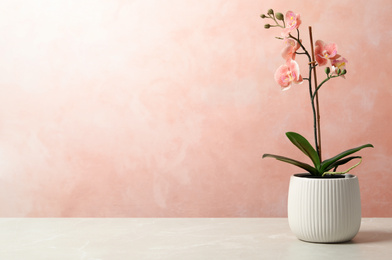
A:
164	108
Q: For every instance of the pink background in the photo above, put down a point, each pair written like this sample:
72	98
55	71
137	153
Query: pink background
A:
152	108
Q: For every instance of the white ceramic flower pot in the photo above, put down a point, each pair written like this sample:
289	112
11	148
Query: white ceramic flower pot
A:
324	210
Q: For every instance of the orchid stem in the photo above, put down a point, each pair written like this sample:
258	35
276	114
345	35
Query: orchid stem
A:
311	67
322	83
317	123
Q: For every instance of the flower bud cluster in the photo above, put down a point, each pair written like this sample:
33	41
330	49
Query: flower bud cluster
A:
275	17
335	72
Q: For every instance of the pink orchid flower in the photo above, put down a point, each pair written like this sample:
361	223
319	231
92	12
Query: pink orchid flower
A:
287	74
325	52
293	21
288	53
338	64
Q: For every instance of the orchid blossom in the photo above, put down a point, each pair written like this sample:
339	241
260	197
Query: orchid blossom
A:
289	52
293	21
325	52
287	74
339	64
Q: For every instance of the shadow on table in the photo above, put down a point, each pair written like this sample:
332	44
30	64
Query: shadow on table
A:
371	237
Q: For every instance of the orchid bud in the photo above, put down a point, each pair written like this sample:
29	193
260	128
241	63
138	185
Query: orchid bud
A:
267	26
338	71
263	16
344	72
327	70
279	16
270	11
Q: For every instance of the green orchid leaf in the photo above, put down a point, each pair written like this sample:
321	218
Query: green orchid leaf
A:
341	162
303	144
327	163
302	165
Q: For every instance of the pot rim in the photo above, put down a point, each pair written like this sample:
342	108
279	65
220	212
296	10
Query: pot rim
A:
306	175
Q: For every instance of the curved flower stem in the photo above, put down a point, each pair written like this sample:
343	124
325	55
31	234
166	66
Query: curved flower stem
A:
311	67
322	83
319	86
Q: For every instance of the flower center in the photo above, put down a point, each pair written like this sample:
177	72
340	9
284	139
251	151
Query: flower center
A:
289	77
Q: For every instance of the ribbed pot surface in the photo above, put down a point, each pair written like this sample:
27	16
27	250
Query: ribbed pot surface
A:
324	210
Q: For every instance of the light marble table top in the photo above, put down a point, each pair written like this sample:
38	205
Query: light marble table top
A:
180	238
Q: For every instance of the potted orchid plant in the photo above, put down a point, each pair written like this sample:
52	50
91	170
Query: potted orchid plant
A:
289	73
323	205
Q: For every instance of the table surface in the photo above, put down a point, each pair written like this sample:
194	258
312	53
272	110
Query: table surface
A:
180	238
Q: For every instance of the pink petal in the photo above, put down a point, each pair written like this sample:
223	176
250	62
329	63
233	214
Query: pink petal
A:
294	68
318	53
320	44
331	49
339	63
289	51
281	76
298	20
289	15
299	81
